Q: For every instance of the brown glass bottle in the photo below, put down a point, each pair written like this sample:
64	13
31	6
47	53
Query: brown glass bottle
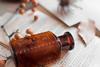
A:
40	48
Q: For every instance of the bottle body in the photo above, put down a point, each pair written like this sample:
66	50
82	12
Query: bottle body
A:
39	49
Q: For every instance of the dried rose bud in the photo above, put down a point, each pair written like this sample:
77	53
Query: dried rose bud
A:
2	63
34	2
35	18
26	1
29	31
23	5
17	36
33	10
21	11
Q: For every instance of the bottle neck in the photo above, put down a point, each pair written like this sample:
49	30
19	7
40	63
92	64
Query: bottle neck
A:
66	41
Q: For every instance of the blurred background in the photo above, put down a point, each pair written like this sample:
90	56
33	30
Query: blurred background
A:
8	6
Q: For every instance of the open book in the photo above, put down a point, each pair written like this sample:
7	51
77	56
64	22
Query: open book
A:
80	56
72	15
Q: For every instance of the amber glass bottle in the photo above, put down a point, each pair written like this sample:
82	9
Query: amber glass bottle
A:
40	48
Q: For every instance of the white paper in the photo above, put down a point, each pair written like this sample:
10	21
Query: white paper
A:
87	30
74	15
4	18
92	10
3	51
19	21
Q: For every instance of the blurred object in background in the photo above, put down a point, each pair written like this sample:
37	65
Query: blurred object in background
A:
2	63
14	1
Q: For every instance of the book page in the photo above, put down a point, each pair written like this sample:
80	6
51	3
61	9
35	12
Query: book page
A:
4	39
72	16
92	10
